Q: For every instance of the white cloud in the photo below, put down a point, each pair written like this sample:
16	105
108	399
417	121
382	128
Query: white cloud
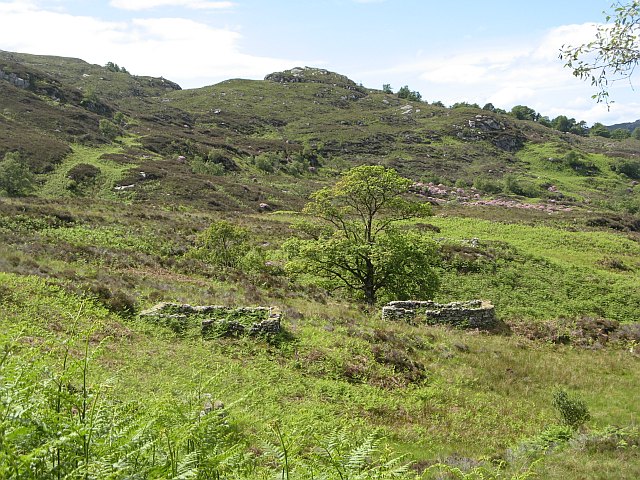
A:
512	73
137	5
185	51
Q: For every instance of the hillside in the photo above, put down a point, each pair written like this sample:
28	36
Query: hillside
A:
123	175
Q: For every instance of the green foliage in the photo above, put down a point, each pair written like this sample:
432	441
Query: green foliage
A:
408	94
630	168
522	112
120	119
114	67
16	179
599	130
364	254
552	437
386	88
206	167
487	184
518	186
465	105
573	412
82	176
222	244
579	164
482	472
620	133
612	55
565	124
108	129
268	162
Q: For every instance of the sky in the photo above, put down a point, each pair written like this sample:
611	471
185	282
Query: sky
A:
499	51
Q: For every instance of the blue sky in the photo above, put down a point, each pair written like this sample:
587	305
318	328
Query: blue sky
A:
498	51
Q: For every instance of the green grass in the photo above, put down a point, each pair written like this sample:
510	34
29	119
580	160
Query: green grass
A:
544	272
326	376
544	162
57	183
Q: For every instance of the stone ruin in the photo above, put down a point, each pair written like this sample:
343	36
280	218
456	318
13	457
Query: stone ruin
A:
215	320
478	314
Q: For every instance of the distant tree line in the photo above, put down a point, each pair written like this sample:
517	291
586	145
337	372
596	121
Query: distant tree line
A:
565	124
562	123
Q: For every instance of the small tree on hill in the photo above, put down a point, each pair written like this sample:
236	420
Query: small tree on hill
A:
522	112
407	94
598	129
361	250
16	179
223	244
108	129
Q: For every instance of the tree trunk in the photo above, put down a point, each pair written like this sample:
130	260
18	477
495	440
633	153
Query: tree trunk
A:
368	286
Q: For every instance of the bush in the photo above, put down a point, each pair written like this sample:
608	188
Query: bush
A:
223	244
108	129
573	412
517	186
83	172
204	167
630	168
487	185
579	164
267	162
16	179
408	94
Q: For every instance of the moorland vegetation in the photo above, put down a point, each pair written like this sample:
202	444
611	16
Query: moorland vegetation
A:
324	198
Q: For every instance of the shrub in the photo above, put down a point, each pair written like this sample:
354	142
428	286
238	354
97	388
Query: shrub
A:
204	167
579	164
408	94
487	185
630	168
573	412
267	162
223	244
108	129
517	186
16	179
83	172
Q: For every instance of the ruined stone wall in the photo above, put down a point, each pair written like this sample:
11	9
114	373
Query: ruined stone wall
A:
215	320
472	314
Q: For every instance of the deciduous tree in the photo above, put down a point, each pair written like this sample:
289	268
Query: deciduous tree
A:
15	177
362	250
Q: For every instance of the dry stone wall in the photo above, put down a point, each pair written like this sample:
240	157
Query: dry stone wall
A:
215	320
478	314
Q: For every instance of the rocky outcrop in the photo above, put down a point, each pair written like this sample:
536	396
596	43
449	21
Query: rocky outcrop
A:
215	320
315	75
486	127
478	314
14	79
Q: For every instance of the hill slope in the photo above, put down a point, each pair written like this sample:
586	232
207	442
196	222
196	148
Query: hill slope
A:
130	171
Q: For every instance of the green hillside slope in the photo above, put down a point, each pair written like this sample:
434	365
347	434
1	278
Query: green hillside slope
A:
123	177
